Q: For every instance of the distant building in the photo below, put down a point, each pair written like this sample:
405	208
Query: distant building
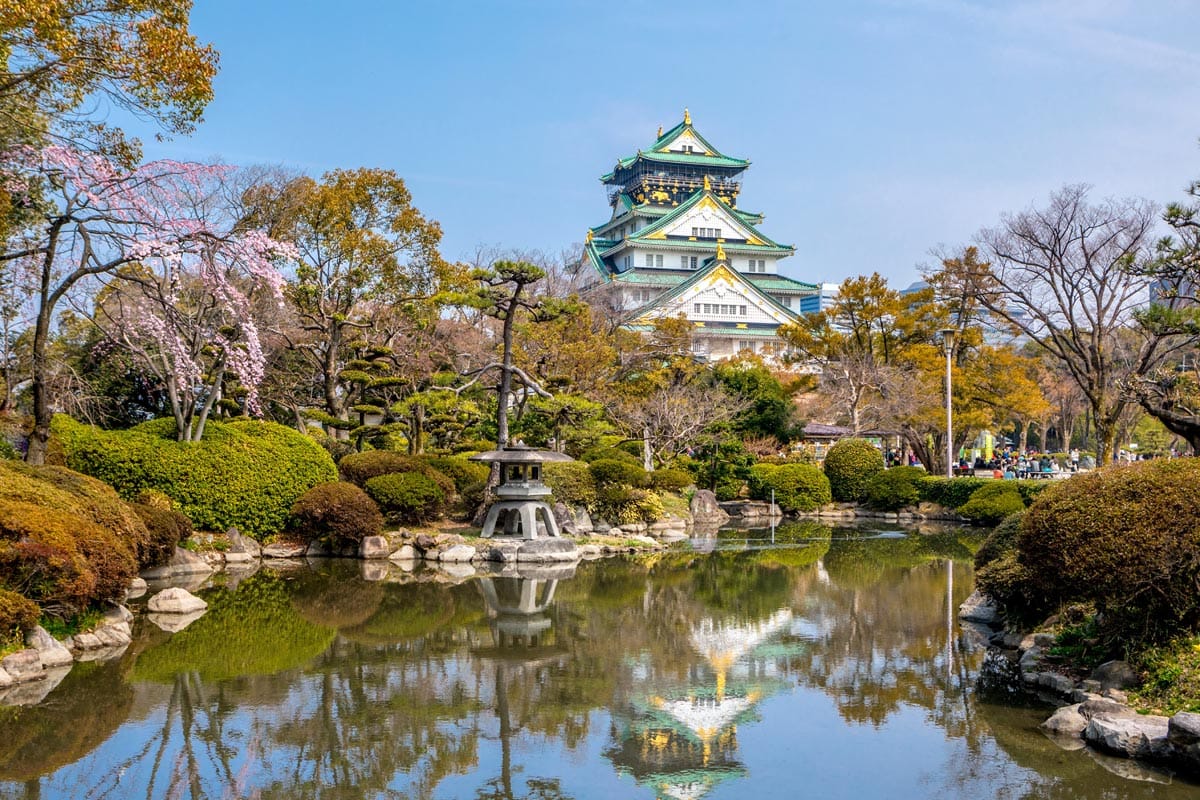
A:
825	296
677	244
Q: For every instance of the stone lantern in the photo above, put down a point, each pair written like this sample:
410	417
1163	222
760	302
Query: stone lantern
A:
520	496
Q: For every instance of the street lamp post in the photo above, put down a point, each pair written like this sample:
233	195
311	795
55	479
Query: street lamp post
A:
948	343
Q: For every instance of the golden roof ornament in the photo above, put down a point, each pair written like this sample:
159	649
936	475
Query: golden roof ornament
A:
720	252
588	238
660	131
707	184
687	117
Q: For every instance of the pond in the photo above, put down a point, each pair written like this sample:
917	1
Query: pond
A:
809	661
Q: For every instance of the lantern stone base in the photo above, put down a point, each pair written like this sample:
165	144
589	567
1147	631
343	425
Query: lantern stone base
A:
518	518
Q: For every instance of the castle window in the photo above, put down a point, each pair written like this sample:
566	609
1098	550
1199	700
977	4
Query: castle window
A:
697	307
658	261
649	260
742	310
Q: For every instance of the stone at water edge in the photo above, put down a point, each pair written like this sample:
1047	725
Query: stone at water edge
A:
373	547
51	651
176	601
1183	734
137	588
284	550
6	680
1129	734
186	563
458	554
704	508
1066	721
978	608
549	549
23	665
405	552
1115	675
243	544
424	542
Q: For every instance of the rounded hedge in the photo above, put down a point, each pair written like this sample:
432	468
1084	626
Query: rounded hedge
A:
950	492
359	468
410	496
166	528
571	482
671	480
244	473
66	540
992	503
621	504
757	479
609	471
894	489
337	514
1002	540
798	487
849	464
1126	538
17	615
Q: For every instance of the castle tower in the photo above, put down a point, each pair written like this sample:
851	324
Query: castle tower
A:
677	243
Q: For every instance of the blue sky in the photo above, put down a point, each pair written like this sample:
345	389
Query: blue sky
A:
878	129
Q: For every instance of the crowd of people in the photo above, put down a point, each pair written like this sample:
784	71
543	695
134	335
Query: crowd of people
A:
1011	464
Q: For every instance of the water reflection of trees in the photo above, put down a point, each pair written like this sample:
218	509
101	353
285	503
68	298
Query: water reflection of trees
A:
414	683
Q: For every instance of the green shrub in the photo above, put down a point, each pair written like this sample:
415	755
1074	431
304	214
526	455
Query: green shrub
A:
1002	540
610	471
244	473
621	504
571	482
1031	489
991	503
7	451
337	514
166	527
464	473
609	454
671	480
950	492
1124	538
799	487
894	489
757	479
410	496
1010	584
362	467
849	464
729	489
17	615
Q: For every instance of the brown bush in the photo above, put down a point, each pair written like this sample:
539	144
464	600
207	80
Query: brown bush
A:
1127	538
338	514
17	615
66	540
166	528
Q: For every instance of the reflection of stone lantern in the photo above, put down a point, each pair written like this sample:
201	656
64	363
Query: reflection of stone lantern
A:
520	496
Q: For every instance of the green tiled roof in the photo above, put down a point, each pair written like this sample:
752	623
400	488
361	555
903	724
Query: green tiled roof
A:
684	207
699	274
780	283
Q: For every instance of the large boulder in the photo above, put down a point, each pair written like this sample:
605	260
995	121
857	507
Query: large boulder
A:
1129	734
1115	675
1183	734
243	544
176	601
52	652
1066	722
706	510
284	550
23	665
978	608
373	547
540	551
458	554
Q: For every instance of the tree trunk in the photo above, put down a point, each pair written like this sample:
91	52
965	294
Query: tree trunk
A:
40	437
647	455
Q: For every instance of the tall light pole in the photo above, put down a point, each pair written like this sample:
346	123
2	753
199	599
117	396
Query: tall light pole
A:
948	343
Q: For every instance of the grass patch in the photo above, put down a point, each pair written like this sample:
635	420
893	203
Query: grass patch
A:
60	628
1172	677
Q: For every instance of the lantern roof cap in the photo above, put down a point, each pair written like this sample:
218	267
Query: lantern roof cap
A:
519	453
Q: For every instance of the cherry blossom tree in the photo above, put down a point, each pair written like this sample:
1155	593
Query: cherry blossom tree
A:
95	219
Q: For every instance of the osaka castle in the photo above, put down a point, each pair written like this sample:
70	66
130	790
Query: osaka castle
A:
677	244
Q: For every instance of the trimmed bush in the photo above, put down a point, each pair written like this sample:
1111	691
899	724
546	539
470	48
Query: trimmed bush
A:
1125	538
464	473
624	505
757	479
1001	541
1031	489
571	482
729	489
799	487
244	473
17	615
337	514
849	464
166	529
950	492
609	454
362	467
608	471
894	489
992	503
671	480
410	496
66	540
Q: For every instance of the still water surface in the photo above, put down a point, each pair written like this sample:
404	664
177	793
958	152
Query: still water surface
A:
828	664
